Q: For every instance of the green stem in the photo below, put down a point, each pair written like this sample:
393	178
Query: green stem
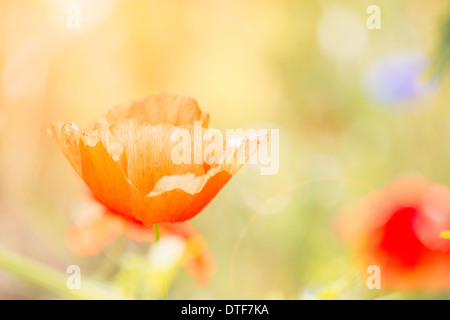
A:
48	278
156	229
164	286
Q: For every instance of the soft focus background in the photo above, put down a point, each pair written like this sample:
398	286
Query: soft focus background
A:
355	108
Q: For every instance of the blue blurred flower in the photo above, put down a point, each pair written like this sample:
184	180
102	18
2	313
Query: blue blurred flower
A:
399	78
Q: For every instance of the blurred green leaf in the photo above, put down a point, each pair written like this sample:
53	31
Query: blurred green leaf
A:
51	279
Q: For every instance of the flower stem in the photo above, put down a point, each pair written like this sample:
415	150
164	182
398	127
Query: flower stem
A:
156	229
164	285
49	278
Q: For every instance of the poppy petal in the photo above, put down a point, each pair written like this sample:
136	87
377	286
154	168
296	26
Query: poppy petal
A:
105	177
90	236
67	135
234	158
397	228
197	259
156	109
96	166
178	198
177	205
145	151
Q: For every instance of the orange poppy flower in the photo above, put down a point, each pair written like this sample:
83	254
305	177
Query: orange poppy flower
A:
398	229
126	160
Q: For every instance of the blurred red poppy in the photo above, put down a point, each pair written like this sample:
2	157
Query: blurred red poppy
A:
398	229
126	161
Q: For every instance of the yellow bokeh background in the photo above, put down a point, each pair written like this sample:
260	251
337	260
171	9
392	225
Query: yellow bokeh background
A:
296	66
